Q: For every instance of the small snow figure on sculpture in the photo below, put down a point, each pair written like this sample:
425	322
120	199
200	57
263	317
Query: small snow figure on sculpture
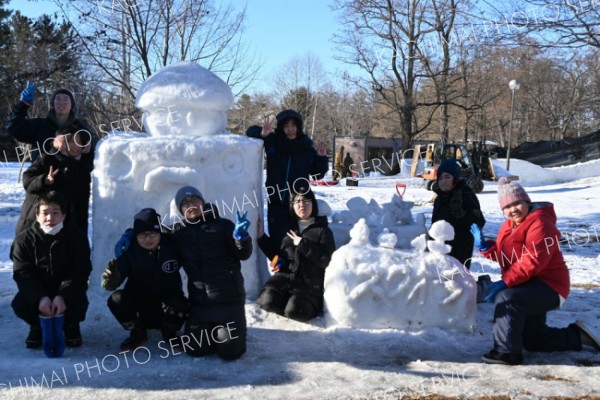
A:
370	286
440	232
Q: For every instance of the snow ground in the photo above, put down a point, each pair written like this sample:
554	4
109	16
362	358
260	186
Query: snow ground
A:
292	360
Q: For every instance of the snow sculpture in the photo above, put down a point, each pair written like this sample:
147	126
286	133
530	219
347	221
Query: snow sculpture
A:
184	111
394	216
370	286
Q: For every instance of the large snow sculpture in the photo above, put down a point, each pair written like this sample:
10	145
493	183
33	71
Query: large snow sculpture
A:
184	111
370	286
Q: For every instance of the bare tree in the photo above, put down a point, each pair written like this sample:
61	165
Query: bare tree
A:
554	24
128	40
297	85
385	40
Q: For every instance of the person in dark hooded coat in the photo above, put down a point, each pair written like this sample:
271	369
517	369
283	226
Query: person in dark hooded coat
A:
297	287
292	161
67	171
457	204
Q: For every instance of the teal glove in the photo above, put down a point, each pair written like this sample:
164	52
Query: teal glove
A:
493	289
480	241
28	94
242	224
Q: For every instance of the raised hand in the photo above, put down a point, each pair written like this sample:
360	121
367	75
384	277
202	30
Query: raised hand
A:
295	237
28	94
267	126
51	175
240	232
320	148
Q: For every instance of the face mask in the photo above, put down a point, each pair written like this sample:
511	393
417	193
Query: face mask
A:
51	230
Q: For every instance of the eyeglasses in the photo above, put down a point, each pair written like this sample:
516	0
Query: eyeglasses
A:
298	202
148	235
191	202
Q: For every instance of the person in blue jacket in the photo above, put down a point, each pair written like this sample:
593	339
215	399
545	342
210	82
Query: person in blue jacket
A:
292	161
152	297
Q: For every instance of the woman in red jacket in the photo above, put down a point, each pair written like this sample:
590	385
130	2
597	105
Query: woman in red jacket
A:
535	280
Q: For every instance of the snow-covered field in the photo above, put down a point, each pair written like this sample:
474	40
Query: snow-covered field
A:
292	360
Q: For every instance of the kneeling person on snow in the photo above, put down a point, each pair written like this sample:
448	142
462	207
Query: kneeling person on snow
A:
296	289
51	266
535	280
152	297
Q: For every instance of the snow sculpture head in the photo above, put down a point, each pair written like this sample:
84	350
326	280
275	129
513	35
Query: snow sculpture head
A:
184	99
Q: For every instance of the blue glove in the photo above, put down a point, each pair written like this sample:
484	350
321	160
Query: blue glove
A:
124	242
493	289
480	241
241	226
28	94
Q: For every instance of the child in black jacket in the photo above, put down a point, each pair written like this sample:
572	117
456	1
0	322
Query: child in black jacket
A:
211	249
67	171
152	296
296	289
51	266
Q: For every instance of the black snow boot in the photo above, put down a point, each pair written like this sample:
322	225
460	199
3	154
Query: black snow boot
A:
72	334
34	339
136	338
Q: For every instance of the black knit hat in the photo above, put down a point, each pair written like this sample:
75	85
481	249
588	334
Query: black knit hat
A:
147	220
187	191
68	93
450	166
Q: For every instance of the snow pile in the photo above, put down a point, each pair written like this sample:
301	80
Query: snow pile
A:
134	171
395	217
533	175
375	287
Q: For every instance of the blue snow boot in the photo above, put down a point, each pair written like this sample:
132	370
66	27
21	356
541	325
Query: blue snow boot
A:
59	335
47	324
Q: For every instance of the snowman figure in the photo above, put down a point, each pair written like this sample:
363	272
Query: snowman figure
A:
186	143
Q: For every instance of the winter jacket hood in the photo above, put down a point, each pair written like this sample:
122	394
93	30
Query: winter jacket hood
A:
285	115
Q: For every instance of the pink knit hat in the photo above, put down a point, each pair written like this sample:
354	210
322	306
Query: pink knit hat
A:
509	192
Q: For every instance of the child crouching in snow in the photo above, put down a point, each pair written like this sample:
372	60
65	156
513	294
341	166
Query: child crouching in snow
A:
152	297
296	289
211	248
535	280
51	266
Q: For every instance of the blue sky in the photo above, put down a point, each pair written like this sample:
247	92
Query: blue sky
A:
279	30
